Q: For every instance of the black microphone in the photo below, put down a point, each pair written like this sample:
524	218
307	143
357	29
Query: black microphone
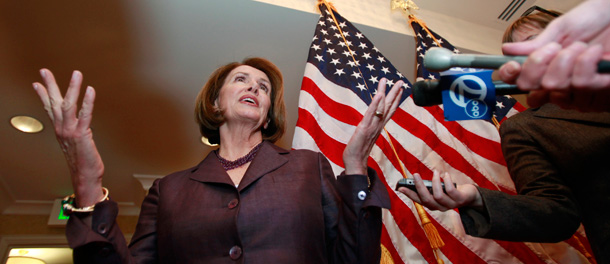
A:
429	92
441	59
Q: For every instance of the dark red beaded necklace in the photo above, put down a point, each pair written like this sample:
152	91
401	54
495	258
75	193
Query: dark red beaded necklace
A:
229	165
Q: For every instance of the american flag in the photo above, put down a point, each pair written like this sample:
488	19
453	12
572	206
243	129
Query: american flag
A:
336	91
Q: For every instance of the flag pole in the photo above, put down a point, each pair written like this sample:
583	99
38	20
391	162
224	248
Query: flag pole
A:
434	238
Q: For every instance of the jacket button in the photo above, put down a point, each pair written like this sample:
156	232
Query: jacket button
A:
102	228
235	252
361	195
233	203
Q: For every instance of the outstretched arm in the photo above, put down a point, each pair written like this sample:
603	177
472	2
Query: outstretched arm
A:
74	134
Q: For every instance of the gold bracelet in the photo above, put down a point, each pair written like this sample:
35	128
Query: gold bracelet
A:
68	203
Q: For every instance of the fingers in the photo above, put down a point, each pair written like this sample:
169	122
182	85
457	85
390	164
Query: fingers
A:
377	104
69	104
585	74
86	112
558	76
536	65
55	98
44	98
509	71
393	100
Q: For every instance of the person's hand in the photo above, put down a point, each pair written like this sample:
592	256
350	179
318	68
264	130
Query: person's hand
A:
379	112
453	197
74	135
562	64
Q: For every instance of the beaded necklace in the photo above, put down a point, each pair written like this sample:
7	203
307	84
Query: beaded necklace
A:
229	165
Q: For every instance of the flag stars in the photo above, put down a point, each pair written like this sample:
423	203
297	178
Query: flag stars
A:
431	77
499	104
366	55
333	27
373	79
361	87
359	35
342	24
351	63
315	37
390	83
324	32
335	62
381	59
385	70
405	85
337	35
315	47
362	45
321	23
319	58
376	49
370	67
339	71
327	41
399	74
357	75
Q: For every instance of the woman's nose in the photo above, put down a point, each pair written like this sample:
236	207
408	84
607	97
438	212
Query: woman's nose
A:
254	88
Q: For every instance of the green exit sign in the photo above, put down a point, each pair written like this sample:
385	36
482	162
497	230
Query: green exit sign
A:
57	217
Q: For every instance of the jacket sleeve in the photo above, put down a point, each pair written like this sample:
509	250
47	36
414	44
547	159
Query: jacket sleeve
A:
544	209
96	237
352	212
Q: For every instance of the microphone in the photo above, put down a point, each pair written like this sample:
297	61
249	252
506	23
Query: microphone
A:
441	59
429	92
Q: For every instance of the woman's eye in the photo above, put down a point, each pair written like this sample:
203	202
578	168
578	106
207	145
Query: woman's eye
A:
264	88
240	78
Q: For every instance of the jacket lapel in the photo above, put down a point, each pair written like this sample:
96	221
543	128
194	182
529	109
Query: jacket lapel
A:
268	158
210	170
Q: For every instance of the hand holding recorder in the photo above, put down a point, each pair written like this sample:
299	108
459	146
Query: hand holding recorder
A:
441	196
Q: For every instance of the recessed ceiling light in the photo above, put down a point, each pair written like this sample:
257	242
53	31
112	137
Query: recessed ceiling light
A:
26	124
207	142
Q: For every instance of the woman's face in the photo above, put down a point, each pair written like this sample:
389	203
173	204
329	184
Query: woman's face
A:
526	32
245	96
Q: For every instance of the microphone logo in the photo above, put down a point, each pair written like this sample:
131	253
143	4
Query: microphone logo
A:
469	92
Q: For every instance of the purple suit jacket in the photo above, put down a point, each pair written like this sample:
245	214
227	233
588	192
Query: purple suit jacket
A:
288	208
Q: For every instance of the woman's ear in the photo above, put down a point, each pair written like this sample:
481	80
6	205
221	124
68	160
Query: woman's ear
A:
266	124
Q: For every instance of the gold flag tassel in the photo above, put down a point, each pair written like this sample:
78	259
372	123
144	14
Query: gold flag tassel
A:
434	238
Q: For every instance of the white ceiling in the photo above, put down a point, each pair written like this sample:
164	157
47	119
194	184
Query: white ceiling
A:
148	59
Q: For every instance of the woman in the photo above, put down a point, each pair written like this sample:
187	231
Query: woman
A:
249	201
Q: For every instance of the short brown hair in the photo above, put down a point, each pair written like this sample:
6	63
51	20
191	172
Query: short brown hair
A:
210	119
539	19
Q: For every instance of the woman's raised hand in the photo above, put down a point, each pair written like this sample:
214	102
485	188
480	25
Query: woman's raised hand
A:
380	111
74	134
